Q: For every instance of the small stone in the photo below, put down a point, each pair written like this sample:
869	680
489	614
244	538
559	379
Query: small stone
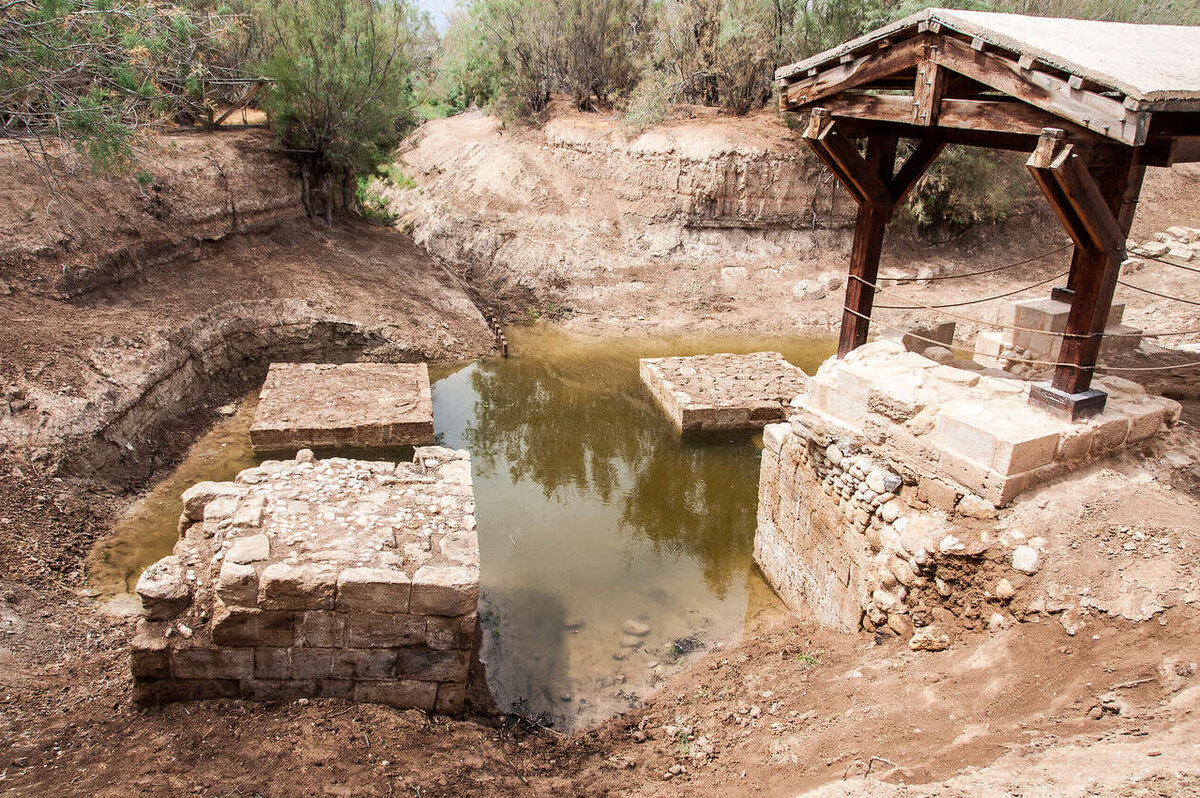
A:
901	624
635	628
929	638
892	510
305	456
1005	590
974	506
996	622
833	454
1026	560
875	480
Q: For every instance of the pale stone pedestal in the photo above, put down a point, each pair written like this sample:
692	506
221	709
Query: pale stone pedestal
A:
347	405
722	393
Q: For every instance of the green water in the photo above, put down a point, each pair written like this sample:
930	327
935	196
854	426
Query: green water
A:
591	512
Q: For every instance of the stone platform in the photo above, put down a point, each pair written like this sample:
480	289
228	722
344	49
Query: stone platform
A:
348	405
1042	323
884	432
724	392
340	578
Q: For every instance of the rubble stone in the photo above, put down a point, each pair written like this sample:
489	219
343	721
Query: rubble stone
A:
302	587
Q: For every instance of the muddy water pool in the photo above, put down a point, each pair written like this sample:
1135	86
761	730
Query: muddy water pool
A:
595	519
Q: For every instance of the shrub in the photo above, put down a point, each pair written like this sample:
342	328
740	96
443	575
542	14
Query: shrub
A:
341	90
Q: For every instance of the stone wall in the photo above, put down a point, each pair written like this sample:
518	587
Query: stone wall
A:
336	578
878	498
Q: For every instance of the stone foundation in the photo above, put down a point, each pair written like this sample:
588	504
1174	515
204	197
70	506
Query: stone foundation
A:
339	578
876	497
975	429
722	393
348	405
1042	323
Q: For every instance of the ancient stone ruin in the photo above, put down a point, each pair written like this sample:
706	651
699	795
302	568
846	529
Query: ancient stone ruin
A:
336	577
327	405
724	392
864	493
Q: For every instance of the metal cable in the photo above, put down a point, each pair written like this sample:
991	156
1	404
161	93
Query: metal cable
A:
992	270
961	304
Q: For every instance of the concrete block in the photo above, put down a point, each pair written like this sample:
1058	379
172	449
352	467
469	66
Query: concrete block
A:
373	590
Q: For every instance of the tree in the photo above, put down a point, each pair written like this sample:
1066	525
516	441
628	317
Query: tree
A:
341	93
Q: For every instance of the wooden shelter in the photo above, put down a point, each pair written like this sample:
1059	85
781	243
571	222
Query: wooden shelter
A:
1094	103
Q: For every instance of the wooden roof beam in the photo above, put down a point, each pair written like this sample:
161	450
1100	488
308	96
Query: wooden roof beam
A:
874	65
842	158
1043	90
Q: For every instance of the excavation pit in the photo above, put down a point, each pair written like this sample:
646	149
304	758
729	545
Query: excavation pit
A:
723	392
303	578
340	406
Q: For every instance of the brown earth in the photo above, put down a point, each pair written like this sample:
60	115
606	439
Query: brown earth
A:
1024	707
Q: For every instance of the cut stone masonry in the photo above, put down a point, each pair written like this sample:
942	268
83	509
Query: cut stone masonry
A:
862	492
339	578
328	405
723	392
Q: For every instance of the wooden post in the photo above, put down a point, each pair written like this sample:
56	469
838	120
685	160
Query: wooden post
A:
1097	215
877	188
869	229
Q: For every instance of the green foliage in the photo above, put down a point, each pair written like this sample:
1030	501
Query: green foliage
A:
93	71
967	186
512	55
373	206
341	89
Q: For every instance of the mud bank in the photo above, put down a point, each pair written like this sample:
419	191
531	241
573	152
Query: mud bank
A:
131	306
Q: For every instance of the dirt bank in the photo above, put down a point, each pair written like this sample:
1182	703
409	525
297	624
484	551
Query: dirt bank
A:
110	372
131	304
710	223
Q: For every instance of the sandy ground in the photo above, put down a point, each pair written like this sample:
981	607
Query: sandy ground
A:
1023	708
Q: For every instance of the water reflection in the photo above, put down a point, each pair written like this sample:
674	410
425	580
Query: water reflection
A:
593	512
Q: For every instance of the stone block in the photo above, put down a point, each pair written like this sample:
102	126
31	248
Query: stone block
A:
1075	444
237	584
1144	421
275	689
373	590
293	663
1004	444
384	630
250	512
774	435
317	405
254	548
400	693
989	349
318	629
199	495
164	589
450	699
296	587
440	590
429	665
443	633
212	663
232	626
219	510
1111	429
366	664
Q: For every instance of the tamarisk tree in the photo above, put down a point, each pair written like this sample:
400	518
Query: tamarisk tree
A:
340	93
